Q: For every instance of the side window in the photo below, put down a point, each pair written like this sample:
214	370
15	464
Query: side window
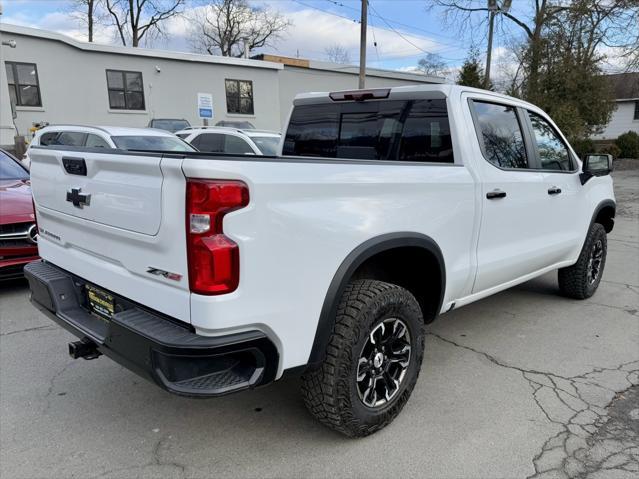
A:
95	141
426	134
70	138
209	142
553	153
500	133
236	145
48	138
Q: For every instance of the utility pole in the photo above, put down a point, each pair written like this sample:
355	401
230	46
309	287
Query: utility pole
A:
362	45
494	8
489	53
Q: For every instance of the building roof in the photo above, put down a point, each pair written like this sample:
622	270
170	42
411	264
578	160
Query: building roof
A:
347	68
625	86
6	29
273	62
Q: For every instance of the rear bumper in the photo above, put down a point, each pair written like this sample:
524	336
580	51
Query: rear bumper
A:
158	348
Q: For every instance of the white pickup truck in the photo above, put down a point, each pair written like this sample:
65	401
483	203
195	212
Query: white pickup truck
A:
209	274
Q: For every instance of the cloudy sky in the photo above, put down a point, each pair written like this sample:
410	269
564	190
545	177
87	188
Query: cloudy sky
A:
400	31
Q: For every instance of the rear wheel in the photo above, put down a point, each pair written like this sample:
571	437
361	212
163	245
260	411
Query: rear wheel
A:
581	280
372	360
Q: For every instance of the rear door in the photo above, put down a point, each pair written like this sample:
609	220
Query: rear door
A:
511	239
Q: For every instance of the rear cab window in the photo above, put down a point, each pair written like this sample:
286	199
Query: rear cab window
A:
389	130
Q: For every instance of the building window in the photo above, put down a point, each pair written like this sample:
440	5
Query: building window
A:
24	87
239	96
636	117
126	90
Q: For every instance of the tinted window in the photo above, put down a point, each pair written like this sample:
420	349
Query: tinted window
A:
383	130
151	143
236	145
48	138
553	153
10	170
170	125
125	89
95	141
70	138
312	131
267	144
426	134
244	125
209	142
500	133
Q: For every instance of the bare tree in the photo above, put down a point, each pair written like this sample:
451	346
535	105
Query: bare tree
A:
223	26
336	53
87	12
609	20
135	19
432	64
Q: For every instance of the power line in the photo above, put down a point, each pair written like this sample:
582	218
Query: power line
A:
390	28
396	22
398	33
325	11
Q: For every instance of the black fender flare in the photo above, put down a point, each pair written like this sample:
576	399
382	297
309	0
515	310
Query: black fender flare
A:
604	204
345	271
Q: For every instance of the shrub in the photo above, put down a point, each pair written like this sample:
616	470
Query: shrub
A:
613	150
583	146
628	143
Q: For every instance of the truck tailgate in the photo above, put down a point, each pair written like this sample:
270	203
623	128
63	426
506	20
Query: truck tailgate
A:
116	220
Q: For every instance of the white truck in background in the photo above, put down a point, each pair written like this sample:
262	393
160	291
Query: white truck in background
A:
210	274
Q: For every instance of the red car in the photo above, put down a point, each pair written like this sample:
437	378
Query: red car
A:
18	231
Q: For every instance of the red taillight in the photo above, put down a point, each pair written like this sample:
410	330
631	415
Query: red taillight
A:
214	259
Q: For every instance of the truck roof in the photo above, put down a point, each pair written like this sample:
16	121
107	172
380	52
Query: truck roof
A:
402	92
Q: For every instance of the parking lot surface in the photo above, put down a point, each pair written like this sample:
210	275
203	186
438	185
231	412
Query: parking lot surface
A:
523	384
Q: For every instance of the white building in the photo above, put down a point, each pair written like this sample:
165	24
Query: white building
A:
625	117
49	77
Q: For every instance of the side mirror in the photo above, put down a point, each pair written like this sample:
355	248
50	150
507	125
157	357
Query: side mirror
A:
595	165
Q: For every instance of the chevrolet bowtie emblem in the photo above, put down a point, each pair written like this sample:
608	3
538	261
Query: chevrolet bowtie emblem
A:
78	200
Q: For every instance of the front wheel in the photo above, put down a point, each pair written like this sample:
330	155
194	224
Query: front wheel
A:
580	281
372	360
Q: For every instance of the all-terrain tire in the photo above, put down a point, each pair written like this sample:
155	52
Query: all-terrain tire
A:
578	281
330	390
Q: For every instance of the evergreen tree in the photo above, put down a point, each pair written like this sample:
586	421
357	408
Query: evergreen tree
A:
472	71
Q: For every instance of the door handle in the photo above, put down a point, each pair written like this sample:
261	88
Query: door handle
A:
495	194
553	190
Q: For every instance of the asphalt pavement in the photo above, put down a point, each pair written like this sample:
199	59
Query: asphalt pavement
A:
522	384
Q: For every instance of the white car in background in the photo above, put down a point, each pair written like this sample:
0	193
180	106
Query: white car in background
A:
234	141
146	139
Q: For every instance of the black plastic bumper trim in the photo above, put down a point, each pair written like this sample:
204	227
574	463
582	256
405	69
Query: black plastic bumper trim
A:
166	352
